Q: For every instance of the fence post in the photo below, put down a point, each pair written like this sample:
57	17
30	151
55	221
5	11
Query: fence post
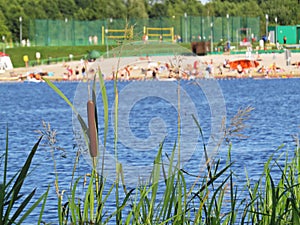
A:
102	39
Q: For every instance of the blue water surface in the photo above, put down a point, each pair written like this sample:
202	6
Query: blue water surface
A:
273	122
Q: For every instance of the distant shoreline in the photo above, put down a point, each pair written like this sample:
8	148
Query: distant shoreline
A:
58	71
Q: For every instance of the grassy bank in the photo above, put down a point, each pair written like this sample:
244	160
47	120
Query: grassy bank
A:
52	53
55	53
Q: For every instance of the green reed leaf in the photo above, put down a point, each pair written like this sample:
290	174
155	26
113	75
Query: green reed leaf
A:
21	177
34	206
20	208
105	105
80	119
59	92
73	206
155	181
10	192
87	202
45	197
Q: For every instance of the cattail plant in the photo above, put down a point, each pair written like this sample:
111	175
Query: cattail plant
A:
93	134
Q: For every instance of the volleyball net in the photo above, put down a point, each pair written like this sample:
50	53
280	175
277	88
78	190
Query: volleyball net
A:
159	33
117	35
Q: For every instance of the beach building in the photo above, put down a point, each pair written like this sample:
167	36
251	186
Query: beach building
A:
292	34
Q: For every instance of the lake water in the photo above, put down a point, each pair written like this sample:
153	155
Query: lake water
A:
148	116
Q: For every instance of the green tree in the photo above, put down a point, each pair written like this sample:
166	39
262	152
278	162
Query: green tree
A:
229	8
4	31
115	9
287	12
52	9
176	8
67	8
83	4
157	10
14	12
34	9
194	8
81	14
97	10
136	9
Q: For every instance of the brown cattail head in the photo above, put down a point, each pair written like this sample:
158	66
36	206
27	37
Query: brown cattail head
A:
93	135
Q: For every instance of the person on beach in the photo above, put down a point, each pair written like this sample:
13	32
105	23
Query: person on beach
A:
228	46
226	64
95	40
154	72
278	45
240	69
77	73
145	38
160	38
274	67
69	72
83	71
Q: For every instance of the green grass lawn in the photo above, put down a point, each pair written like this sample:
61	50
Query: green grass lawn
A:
55	53
60	53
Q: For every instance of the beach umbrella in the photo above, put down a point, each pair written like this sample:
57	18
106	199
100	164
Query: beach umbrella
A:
93	55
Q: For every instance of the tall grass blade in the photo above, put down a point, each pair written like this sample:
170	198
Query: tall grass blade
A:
119	213
213	179
205	151
169	192
88	208
274	198
155	181
94	99
105	113
45	197
121	207
36	203
22	206
80	119
59	92
59	210
75	209
178	124
20	179
3	184
5	159
199	211
2	195
10	192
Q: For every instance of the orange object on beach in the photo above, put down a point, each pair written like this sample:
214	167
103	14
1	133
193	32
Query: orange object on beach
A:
244	63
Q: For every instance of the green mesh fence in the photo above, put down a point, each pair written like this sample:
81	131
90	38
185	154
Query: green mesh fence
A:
114	31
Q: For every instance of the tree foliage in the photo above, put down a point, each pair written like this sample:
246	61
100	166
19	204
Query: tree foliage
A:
287	12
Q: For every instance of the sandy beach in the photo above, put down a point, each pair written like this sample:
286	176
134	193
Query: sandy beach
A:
59	71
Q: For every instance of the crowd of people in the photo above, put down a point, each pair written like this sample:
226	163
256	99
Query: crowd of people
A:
152	70
77	73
